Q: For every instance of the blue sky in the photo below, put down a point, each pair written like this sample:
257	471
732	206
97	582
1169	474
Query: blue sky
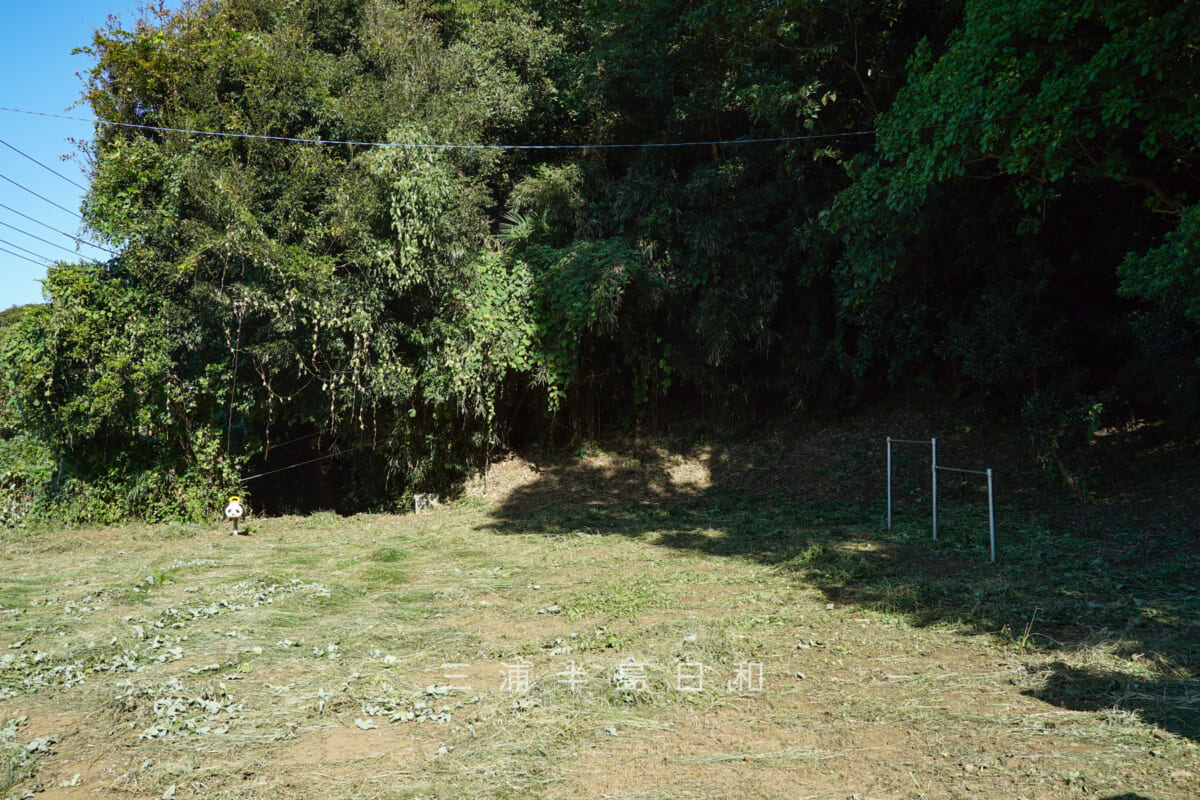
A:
38	73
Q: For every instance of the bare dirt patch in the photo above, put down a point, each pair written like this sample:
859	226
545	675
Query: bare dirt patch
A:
342	751
591	628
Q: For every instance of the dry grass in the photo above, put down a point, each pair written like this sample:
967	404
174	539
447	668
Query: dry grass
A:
366	657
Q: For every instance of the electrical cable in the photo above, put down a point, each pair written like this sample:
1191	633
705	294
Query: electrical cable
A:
432	146
42	264
291	441
43	166
40	197
47	261
47	241
302	463
60	232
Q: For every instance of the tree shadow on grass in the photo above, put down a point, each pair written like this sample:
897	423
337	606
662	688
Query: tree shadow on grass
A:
811	506
1171	705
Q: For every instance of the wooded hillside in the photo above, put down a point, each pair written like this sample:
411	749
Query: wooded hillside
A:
338	245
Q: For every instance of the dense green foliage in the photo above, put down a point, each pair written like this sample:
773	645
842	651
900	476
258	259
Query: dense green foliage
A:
995	198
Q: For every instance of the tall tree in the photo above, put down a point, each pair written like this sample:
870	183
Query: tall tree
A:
270	289
715	295
1040	160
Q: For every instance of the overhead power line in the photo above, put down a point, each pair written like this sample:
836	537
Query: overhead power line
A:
59	232
43	166
435	146
636	145
325	457
40	197
46	241
41	262
24	258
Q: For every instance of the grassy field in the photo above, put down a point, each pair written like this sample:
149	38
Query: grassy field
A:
692	623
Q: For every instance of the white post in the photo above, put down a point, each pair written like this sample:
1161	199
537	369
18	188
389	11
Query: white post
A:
889	482
934	443
991	517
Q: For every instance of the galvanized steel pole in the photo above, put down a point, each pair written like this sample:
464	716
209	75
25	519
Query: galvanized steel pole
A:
934	443
889	482
991	517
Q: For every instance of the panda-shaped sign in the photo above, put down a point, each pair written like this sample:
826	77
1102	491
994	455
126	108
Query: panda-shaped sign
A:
234	510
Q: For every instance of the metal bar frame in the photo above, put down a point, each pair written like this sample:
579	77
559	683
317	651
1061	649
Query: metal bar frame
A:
991	504
933	444
934	484
967	471
991	517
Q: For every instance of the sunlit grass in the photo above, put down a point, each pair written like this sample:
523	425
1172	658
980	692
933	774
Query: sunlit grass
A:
316	654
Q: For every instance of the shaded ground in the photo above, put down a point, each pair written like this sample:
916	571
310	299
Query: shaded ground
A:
368	657
1120	570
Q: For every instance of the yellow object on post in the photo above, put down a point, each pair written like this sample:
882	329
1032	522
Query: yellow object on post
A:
234	510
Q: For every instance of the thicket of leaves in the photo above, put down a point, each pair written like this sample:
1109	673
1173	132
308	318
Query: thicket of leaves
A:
343	299
1029	208
998	199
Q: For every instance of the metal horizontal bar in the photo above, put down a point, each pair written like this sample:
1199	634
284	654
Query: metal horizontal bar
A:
968	471
911	441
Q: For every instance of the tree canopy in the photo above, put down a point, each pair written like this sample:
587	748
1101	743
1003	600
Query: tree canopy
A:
750	207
